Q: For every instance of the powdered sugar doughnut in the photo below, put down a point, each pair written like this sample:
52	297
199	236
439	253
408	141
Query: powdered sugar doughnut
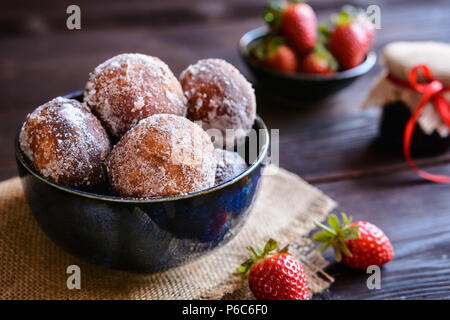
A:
229	165
163	155
66	143
130	87
220	97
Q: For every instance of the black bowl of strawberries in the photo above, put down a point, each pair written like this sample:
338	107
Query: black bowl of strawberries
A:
295	57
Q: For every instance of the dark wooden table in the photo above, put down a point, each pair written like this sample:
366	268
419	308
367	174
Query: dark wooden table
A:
328	142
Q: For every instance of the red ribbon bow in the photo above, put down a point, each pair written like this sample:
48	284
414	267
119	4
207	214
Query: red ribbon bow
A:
430	91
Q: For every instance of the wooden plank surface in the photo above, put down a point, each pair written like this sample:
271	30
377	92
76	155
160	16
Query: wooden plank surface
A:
415	216
329	142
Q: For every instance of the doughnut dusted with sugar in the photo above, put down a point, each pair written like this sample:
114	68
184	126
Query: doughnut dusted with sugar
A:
163	155
229	165
130	87
220	97
66	143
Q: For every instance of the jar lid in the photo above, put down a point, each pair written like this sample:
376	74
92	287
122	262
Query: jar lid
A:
399	57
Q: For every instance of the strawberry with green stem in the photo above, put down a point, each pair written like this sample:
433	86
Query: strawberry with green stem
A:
358	244
351	37
350	14
294	20
275	54
275	275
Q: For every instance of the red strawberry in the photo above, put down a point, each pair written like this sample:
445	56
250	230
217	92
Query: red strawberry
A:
296	21
348	44
282	59
319	61
351	38
275	276
361	243
276	55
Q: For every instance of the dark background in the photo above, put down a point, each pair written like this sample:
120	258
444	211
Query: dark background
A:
328	142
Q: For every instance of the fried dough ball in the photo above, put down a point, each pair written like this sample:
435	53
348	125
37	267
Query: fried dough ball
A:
220	97
229	165
130	87
161	156
66	143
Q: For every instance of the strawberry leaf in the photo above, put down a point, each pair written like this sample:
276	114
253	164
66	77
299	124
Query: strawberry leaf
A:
284	250
350	233
322	53
333	221
272	14
323	34
266	46
347	15
336	235
259	255
245	267
346	219
324	227
337	253
256	251
323	247
343	247
242	269
270	246
322	237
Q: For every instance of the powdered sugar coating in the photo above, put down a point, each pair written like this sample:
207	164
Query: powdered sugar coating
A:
66	143
229	165
219	96
129	87
163	155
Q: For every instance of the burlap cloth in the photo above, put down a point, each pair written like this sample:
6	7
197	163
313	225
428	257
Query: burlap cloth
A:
33	267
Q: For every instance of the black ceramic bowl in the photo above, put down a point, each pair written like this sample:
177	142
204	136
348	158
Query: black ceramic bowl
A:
144	235
298	85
